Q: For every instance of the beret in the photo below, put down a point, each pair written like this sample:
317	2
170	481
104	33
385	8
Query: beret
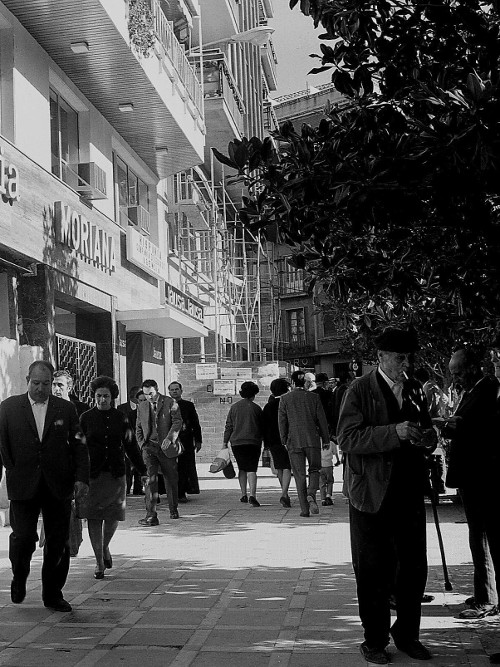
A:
397	340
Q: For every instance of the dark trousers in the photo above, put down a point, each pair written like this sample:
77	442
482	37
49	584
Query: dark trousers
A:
389	556
133	477
155	460
22	542
186	467
298	458
482	508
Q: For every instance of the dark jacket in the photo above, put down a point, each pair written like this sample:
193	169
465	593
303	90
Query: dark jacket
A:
60	457
474	452
270	427
168	420
109	437
327	401
302	420
191	429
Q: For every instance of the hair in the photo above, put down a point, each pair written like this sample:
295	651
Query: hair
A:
138	393
175	382
298	378
132	392
422	375
150	383
321	377
104	381
279	386
472	357
44	364
344	377
249	390
64	374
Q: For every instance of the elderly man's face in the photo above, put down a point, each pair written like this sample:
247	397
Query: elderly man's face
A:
495	360
395	364
39	384
61	387
463	375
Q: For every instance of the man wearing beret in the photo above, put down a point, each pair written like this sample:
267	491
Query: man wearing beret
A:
385	431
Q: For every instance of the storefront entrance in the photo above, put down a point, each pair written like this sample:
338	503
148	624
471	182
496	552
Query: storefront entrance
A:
79	358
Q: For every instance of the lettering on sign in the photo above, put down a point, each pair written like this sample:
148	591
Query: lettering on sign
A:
9	180
145	254
85	238
183	302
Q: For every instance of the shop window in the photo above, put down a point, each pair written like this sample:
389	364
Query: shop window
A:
132	197
63	140
330	327
295	326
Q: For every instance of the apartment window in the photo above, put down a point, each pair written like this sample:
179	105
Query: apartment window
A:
296	326
63	139
132	195
291	279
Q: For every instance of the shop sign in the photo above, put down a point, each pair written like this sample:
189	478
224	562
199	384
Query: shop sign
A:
9	179
83	237
145	254
224	387
206	371
236	373
183	302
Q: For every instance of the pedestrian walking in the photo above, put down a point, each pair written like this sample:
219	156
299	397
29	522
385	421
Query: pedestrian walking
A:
303	427
46	461
191	439
385	432
129	409
109	437
270	426
244	431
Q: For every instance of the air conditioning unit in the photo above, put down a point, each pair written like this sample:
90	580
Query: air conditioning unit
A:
91	181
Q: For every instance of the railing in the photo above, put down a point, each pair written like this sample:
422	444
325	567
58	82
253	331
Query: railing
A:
176	54
219	82
271	122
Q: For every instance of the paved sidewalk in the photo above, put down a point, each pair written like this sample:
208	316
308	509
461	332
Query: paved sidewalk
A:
229	585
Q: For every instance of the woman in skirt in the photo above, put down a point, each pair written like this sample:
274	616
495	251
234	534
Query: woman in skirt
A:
109	438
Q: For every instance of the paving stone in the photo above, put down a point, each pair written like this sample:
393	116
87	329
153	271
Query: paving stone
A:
151	637
155	657
41	656
231	659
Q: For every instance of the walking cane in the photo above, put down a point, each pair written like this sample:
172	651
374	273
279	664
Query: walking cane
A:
434	496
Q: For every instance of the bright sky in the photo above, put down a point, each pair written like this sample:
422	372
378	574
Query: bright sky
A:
294	39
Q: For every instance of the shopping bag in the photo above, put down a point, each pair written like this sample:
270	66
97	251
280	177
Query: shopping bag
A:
220	461
229	471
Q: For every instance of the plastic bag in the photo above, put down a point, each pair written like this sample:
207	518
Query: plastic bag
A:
220	461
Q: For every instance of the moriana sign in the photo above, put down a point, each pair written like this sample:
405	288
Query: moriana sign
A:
84	237
9	179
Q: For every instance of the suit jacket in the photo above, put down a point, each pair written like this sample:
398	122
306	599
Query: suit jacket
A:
191	429
60	457
168	420
366	432
474	452
302	420
130	414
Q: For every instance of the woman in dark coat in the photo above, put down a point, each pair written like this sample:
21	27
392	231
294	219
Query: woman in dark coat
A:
272	438
109	437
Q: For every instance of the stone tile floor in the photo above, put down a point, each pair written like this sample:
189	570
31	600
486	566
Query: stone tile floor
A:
229	585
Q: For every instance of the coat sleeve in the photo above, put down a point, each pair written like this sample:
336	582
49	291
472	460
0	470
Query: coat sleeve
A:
5	449
78	446
324	429
139	428
176	419
228	429
356	434
197	437
283	422
131	449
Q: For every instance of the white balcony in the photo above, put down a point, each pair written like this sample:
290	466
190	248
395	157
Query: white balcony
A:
139	217
91	181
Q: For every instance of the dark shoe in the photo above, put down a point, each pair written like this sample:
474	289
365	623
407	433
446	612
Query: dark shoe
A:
329	501
377	656
495	658
183	499
138	493
98	574
313	505
412	647
324	503
17	590
174	514
427	598
478	611
108	562
58	605
285	501
149	521
253	501
244	499
470	602
305	514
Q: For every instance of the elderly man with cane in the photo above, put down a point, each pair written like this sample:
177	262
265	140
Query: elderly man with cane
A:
385	431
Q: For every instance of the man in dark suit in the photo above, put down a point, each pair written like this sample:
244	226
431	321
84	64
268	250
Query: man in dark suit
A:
46	461
129	409
159	423
385	431
303	427
190	437
474	468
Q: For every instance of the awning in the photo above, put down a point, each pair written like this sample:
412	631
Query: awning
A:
165	322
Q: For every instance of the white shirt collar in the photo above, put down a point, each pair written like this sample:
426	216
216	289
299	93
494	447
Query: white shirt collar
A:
390	382
32	402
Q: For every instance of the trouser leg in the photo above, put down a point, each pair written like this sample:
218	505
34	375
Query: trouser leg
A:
298	462
171	479
22	541
151	491
313	455
56	517
322	483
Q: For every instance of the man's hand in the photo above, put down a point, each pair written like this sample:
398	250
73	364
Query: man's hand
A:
144	480
409	431
197	446
81	490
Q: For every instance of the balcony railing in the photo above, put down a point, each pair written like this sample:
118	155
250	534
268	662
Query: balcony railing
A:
271	122
175	52
219	82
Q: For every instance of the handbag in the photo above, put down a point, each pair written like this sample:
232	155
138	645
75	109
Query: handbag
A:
172	449
229	472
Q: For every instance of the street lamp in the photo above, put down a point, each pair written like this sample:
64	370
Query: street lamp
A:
257	36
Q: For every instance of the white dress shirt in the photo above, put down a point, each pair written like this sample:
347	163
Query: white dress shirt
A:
39	413
395	387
